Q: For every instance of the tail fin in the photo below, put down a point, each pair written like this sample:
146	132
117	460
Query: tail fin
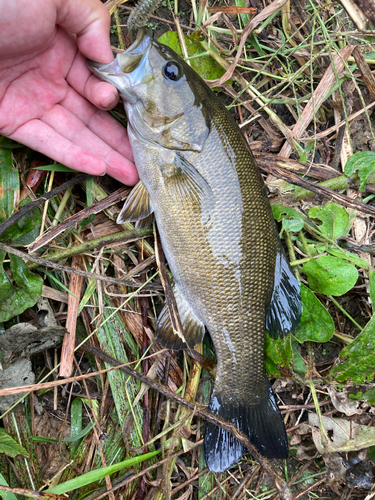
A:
261	422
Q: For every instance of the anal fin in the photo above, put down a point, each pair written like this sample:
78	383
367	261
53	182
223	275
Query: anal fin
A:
138	207
285	309
192	327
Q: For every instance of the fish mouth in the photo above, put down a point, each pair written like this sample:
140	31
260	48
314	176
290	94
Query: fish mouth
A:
131	63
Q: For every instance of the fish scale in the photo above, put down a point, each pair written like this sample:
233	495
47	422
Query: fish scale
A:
199	179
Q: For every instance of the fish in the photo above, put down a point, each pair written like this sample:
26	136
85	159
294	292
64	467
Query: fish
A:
199	180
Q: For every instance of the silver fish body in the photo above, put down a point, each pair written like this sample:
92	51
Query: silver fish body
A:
199	179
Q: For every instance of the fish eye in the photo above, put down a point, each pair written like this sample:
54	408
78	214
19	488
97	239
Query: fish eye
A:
172	70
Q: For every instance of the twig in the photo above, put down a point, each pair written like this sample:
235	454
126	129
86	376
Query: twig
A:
97	207
323	191
309	488
30	493
67	269
96	244
197	476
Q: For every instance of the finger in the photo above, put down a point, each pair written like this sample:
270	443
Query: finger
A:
43	138
99	122
75	131
90	21
102	94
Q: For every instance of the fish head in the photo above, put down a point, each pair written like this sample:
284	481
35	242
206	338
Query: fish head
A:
165	99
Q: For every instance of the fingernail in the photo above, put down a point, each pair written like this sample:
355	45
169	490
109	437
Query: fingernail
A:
110	101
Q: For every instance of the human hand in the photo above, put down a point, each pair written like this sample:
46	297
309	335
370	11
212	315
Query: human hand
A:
49	99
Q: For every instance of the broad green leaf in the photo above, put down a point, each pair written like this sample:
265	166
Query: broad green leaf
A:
9	446
330	276
290	218
364	162
359	365
316	323
334	219
278	356
95	475
25	292
351	257
205	66
299	365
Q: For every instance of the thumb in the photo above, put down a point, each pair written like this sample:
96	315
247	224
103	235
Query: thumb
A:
90	21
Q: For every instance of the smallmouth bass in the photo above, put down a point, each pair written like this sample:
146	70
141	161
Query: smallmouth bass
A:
200	181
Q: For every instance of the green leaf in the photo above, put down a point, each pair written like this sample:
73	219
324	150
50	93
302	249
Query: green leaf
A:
6	287
6	495
364	162
372	288
9	446
334	220
42	439
96	475
330	276
299	365
76	417
244	17
290	218
56	167
351	257
76	423
79	435
370	396
9	184
316	323
25	293
205	66
9	196
359	365
278	355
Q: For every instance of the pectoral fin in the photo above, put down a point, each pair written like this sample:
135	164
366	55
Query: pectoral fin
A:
184	181
193	328
138	208
285	309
